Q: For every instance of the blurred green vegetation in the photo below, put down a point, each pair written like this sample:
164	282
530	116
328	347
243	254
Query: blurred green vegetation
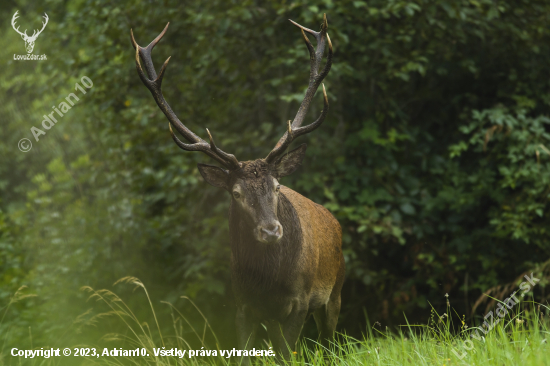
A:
434	157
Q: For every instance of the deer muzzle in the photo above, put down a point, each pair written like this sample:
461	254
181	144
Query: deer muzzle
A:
270	233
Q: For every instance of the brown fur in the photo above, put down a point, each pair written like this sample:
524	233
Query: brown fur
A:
280	283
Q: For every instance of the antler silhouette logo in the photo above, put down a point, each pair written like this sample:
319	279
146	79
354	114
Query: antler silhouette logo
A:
29	41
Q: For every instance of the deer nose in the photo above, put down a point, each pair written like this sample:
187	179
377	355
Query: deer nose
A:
271	233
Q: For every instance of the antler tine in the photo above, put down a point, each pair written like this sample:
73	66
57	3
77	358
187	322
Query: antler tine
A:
315	79
15	16
44	23
154	83
228	157
292	133
145	52
36	32
198	146
316	56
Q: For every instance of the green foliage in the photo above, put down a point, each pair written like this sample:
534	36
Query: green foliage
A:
434	156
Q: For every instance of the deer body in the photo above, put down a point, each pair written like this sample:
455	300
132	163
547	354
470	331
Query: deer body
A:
286	251
304	265
286	254
283	284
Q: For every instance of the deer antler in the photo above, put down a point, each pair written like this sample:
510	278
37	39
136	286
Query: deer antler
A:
315	79
15	16
34	34
153	83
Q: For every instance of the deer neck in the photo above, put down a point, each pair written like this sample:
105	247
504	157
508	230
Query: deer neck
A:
257	265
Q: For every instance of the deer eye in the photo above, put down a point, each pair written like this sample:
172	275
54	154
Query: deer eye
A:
236	194
278	188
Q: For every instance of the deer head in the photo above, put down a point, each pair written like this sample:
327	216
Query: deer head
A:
253	185
29	41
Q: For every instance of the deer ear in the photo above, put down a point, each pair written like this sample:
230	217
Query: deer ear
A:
214	175
290	161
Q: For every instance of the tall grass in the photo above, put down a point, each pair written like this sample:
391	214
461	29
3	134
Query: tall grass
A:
18	296
520	339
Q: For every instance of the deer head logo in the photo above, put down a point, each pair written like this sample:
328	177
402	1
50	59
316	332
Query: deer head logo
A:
29	41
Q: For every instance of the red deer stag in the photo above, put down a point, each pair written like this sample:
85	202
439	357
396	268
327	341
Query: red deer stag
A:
286	251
